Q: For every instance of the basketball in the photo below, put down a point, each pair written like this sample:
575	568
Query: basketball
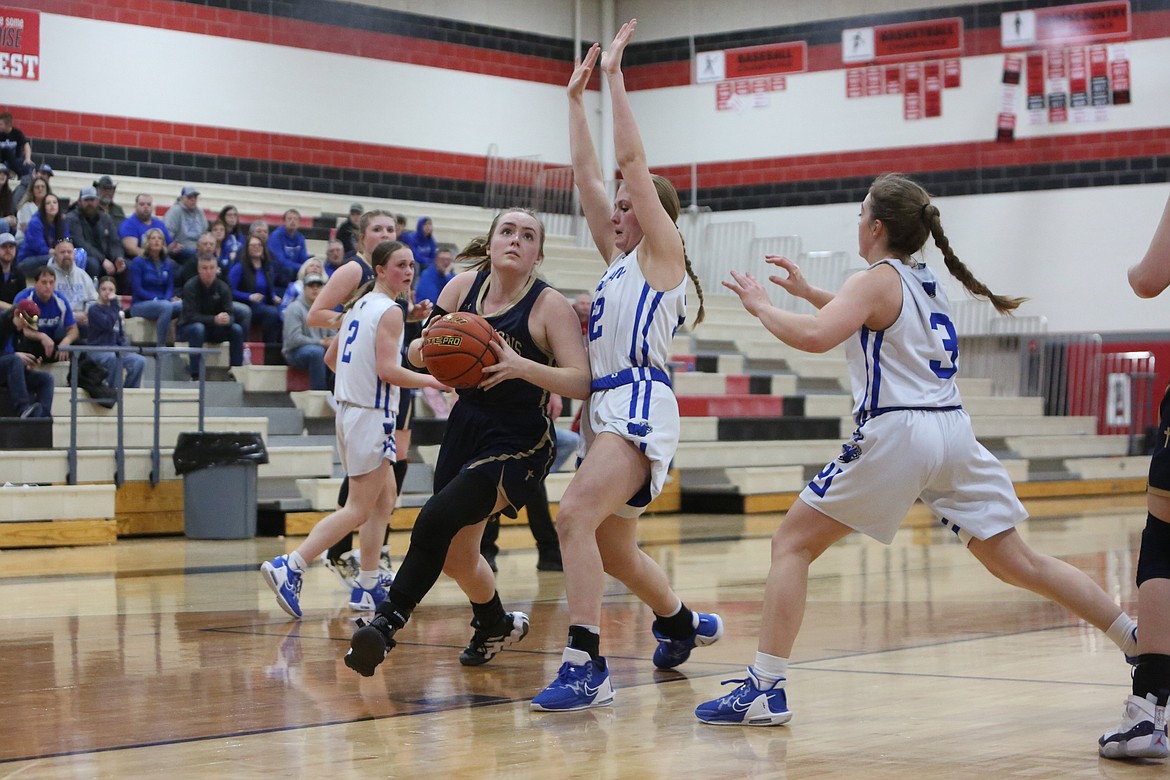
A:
456	349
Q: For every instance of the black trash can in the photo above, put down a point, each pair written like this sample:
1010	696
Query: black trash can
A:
219	483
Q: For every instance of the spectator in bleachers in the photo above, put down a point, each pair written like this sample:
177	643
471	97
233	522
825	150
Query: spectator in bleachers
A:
207	314
73	283
94	231
106	189
135	226
304	347
252	280
400	226
233	239
259	228
422	243
15	149
56	326
186	222
152	285
205	247
347	234
312	266
218	232
11	279
435	278
7	202
40	173
335	257
287	246
106	330
28	204
30	391
44	230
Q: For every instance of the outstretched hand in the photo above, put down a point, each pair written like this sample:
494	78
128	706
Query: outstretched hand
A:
582	70
794	283
751	293
611	60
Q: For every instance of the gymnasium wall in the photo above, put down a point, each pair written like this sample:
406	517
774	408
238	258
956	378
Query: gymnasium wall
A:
388	99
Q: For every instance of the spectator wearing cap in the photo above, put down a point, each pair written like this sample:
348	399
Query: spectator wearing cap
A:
287	247
56	326
45	229
207	314
94	231
30	391
73	283
106	189
134	227
42	172
304	347
186	222
11	279
347	234
7	201
15	149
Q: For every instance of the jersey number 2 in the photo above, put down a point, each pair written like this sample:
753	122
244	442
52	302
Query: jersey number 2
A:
353	329
595	319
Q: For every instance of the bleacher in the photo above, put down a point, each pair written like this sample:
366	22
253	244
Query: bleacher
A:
759	418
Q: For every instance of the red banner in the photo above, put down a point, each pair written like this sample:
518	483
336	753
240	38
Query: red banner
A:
20	44
766	60
952	74
893	79
1120	77
915	39
1085	22
912	91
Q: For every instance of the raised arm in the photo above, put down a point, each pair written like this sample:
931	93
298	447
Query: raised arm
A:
661	249
1152	275
587	173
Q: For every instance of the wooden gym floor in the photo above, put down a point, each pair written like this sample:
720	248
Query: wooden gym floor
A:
170	658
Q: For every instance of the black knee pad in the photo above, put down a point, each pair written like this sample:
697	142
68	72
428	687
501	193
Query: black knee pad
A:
1154	558
400	467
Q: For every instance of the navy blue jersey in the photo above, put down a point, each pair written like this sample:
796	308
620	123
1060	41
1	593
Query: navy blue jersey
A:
512	325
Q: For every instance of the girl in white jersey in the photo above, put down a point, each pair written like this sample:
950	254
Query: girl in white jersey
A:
367	358
631	423
913	439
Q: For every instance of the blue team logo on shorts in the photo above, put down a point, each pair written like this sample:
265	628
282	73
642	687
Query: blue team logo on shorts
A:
642	429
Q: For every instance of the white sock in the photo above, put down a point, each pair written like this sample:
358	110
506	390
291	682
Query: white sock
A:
770	669
1123	632
367	579
296	562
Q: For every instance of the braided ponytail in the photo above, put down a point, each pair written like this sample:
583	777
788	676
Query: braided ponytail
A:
1002	304
695	281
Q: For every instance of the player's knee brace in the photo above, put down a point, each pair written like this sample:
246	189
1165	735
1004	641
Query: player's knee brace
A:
1154	559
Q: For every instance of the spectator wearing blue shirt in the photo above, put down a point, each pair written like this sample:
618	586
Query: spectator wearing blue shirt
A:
286	244
422	243
152	285
31	391
434	279
56	319
44	230
252	280
105	330
135	226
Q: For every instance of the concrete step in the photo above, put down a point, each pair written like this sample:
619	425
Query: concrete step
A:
99	432
56	502
1037	447
136	402
1118	467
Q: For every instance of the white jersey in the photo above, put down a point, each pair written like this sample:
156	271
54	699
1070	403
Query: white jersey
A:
913	363
358	383
632	325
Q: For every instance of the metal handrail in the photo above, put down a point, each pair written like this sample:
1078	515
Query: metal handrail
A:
120	449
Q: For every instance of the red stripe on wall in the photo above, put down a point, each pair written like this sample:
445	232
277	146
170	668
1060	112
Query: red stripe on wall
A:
964	156
281	31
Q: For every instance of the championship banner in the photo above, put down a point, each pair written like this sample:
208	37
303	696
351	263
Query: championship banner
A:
1119	75
1057	86
1005	129
932	88
1035	93
912	91
912	40
1080	23
20	44
740	94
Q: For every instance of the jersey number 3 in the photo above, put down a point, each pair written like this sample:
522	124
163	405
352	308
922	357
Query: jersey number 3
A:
950	342
353	330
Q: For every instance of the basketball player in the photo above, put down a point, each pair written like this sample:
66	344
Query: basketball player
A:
913	439
367	358
631	424
1142	731
374	227
499	440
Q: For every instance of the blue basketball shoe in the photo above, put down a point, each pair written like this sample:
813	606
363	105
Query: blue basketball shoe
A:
672	652
748	705
364	600
285	583
581	683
